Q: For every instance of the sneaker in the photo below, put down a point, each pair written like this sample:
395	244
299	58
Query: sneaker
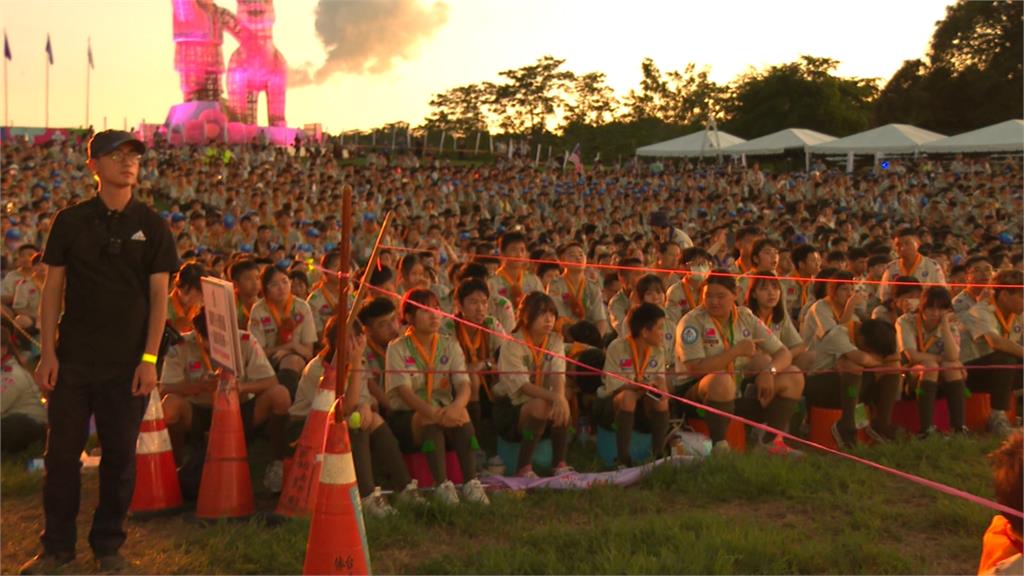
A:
999	424
562	469
843	440
273	478
411	493
473	491
111	563
528	473
875	436
721	447
376	505
930	432
962	430
446	493
778	447
45	564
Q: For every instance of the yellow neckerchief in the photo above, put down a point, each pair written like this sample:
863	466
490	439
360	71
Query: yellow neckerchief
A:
472	347
767	318
639	366
922	344
428	361
537	352
577	297
913	267
1004	322
727	343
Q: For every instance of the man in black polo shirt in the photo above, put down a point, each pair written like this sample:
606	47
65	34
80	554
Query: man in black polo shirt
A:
108	261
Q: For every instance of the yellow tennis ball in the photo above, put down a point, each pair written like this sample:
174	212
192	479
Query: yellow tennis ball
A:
355	420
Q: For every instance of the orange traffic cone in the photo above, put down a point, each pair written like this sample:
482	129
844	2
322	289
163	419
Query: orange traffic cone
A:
337	536
299	492
156	477
225	490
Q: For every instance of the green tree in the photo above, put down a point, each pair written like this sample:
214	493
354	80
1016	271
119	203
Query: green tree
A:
593	101
462	110
531	96
647	101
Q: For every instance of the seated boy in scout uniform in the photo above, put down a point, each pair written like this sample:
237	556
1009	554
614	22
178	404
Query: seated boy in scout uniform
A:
577	297
995	326
620	303
929	342
727	356
427	387
638	357
189	380
513	280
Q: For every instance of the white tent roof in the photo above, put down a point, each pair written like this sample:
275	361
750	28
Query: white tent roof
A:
703	143
779	142
1005	136
891	138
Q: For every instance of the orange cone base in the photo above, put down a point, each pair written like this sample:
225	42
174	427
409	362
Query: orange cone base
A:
302	477
225	490
156	485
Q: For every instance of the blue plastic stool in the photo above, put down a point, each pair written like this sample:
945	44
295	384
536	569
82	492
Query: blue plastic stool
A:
639	446
509	454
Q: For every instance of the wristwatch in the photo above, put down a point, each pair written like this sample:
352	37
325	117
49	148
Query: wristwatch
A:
773	371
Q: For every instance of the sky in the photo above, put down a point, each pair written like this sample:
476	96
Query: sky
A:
388	57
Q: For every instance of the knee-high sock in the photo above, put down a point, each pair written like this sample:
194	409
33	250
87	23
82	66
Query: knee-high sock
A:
462	440
559	444
385	450
955	402
177	433
849	393
659	430
719	425
362	459
624	422
532	430
277	429
888	395
290	380
778	414
473	407
433	440
926	403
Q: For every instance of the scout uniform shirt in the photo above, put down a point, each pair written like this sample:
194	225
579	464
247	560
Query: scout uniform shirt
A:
820	318
481	348
836	343
963	302
501	308
432	369
577	302
624	359
505	284
680	299
926	270
18	392
519	364
188	362
271	327
700	336
322	301
26	297
10	282
984	318
911	334
309	386
618	308
177	315
797	293
962	305
785	331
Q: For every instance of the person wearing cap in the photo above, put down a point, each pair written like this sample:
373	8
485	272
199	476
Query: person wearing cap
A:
108	263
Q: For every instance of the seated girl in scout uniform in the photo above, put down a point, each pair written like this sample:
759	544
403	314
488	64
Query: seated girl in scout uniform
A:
324	296
187	384
576	297
638	357
840	305
727	354
284	327
651	289
530	391
929	343
479	346
995	325
374	446
427	388
684	295
766	302
186	297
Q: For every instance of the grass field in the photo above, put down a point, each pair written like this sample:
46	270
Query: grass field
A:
736	514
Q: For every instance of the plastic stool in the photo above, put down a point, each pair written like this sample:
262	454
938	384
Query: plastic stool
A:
509	454
977	409
735	435
419	470
905	415
607	451
821	420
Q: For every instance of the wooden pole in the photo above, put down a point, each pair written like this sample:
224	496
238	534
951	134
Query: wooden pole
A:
341	359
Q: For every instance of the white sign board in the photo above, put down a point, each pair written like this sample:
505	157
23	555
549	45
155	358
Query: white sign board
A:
222	324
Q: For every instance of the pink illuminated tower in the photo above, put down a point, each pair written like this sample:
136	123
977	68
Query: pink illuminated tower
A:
257	66
198	36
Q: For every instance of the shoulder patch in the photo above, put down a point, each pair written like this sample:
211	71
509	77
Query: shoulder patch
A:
689	335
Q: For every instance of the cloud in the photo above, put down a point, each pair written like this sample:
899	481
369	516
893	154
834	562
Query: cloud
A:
368	36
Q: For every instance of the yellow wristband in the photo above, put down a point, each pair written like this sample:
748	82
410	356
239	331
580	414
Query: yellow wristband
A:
149	359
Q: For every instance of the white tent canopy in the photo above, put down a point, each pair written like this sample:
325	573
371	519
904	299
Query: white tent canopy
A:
1003	137
779	142
888	139
703	143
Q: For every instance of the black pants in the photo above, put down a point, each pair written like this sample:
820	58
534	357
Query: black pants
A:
83	390
18	432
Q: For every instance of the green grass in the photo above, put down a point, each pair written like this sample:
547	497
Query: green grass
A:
747	513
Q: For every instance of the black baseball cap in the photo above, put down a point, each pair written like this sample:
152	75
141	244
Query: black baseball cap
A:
103	143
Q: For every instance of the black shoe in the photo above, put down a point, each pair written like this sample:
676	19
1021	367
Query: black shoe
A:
844	440
111	563
45	564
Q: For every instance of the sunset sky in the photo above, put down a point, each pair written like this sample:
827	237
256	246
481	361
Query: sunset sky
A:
404	51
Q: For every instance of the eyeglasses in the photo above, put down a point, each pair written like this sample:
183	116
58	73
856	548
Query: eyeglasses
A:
131	157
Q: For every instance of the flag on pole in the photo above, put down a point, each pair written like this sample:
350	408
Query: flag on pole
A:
49	50
91	65
7	47
574	157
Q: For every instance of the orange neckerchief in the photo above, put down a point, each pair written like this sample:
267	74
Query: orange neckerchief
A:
922	344
203	353
727	343
767	319
179	308
538	357
909	271
284	333
804	286
515	287
690	300
639	366
577	299
331	300
835	309
427	360
476	349
1004	322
